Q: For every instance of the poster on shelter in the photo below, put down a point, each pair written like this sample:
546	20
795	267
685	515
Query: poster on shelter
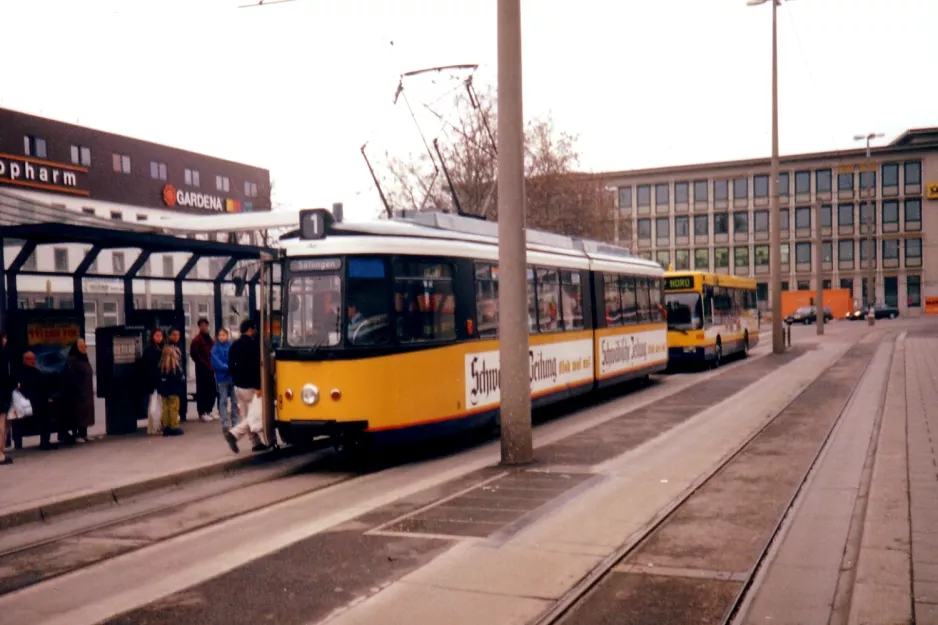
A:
51	341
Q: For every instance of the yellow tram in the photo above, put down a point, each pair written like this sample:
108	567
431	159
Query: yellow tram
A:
390	328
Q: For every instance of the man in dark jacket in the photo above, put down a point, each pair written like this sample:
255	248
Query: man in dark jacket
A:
201	353
244	364
39	389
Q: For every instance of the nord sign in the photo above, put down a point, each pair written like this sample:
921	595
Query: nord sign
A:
172	197
23	171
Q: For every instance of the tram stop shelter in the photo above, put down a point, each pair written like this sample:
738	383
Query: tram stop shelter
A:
235	269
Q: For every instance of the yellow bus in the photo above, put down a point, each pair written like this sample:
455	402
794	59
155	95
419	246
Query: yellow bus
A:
709	316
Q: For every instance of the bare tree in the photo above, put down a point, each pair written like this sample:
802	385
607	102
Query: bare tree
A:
559	197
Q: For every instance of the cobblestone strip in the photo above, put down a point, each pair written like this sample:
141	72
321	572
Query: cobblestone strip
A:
923	476
882	590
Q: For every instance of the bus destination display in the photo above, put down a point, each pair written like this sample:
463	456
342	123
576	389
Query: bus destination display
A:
678	283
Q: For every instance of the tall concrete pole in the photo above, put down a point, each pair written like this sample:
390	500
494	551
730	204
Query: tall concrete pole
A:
514	365
819	258
871	250
775	247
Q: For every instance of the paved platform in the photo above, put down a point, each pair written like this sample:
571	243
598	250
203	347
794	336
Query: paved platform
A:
43	483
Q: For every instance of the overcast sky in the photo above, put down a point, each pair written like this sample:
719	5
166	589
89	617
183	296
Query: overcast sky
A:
299	87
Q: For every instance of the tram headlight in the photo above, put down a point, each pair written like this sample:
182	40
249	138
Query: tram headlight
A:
310	395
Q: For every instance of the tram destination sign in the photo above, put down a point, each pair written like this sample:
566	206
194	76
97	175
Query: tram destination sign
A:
678	283
316	264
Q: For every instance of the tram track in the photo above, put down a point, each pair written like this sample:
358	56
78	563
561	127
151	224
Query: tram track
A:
698	559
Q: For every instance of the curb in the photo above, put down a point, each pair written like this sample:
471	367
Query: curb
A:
43	511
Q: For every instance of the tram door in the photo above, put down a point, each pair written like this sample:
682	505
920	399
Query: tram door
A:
270	331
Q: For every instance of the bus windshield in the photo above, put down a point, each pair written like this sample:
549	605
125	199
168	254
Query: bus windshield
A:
684	311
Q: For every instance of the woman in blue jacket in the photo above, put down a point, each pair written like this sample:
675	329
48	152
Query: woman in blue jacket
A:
223	380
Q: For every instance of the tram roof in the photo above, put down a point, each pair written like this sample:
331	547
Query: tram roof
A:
447	226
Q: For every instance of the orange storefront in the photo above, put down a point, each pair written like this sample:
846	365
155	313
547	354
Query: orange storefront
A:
837	300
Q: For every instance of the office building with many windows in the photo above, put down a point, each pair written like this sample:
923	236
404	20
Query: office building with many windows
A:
715	217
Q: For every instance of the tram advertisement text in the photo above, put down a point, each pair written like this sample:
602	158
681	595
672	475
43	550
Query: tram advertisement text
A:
553	366
623	352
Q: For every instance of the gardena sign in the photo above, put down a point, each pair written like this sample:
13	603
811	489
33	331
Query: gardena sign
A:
38	174
172	197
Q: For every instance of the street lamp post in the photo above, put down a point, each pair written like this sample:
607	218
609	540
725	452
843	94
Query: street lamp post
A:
775	243
514	368
870	224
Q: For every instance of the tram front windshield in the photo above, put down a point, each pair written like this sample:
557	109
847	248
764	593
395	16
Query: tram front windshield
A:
684	311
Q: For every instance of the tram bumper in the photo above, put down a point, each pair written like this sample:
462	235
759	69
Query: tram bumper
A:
296	432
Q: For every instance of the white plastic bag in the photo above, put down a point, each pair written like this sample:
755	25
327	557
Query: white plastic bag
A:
21	406
256	415
155	415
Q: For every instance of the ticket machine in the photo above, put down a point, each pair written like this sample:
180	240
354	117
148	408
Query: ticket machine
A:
119	348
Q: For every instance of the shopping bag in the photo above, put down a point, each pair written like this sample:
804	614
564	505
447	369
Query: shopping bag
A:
155	415
21	406
256	416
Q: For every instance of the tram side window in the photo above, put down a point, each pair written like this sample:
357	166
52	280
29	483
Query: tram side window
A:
642	304
424	301
548	300
367	302
627	289
572	300
654	294
532	302
613	304
487	299
314	313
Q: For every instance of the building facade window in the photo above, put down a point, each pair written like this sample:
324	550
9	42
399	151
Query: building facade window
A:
117	215
784	184
701	226
784	220
117	263
891	213
644	229
700	191
785	253
61	259
761	255
625	196
681	260
913	173
760	186
682	226
761	221
890	175
721	223
81	155
845	182
741	222
191	177
34	146
803	218
157	170
681	192
741	189
664	258
222	183
662	229
662	195
867	213
913	252
845	251
802	182
702	259
803	253
826	216
827	251
845	214
913	291
913	214
867	179
109	314
721	257
87	211
721	190
890	249
822	181
121	163
644	195
741	257
804	285
168	268
865	250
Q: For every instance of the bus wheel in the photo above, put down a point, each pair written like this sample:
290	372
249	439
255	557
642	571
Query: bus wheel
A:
746	344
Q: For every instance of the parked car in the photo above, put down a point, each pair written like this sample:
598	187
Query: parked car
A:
808	314
880	311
